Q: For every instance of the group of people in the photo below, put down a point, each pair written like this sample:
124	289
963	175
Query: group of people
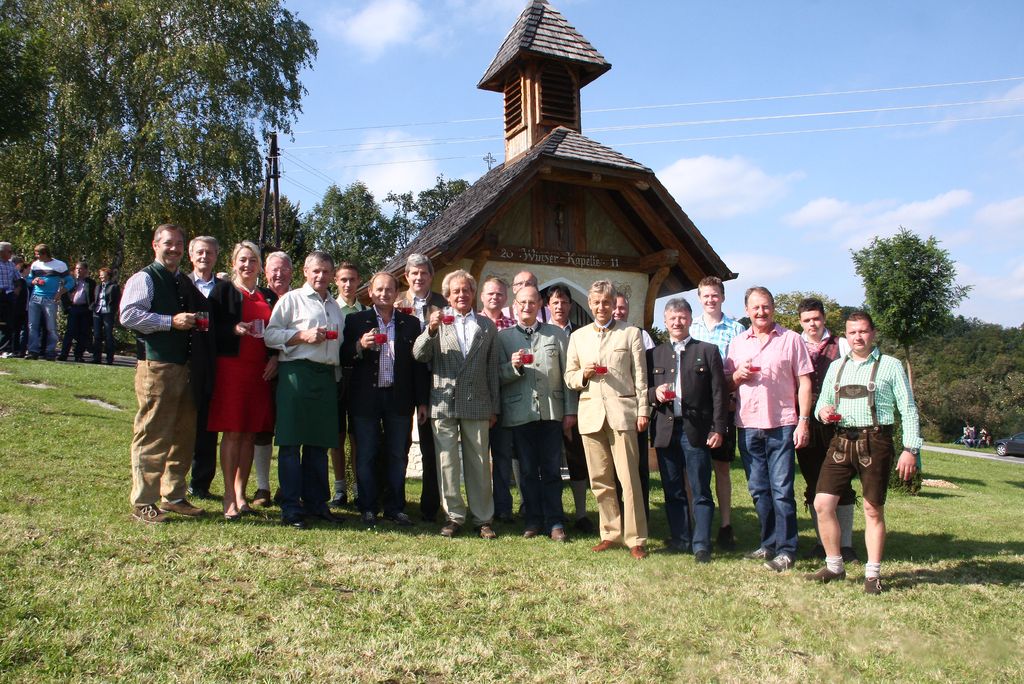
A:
30	295
511	383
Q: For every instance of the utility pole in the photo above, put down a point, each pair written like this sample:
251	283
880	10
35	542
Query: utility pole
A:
271	193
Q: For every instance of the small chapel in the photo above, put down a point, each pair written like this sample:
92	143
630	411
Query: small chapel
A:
561	205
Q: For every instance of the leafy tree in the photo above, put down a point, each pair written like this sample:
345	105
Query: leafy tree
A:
350	225
155	110
787	303
21	72
413	213
910	285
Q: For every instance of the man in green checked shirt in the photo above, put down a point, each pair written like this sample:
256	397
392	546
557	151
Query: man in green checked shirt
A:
859	394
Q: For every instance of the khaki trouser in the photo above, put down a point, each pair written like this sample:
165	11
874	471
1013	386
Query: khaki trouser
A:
610	453
165	432
474	464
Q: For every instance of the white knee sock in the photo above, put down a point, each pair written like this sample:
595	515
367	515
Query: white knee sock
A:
835	563
261	464
872	570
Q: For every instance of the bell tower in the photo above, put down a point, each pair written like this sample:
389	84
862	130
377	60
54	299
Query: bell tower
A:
540	68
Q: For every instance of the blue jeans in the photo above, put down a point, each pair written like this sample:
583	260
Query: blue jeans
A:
302	477
539	448
103	333
679	458
373	416
768	460
502	451
38	308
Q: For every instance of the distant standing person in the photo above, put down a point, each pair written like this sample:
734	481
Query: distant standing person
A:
8	277
77	304
770	369
106	304
305	327
48	280
715	327
158	304
493	297
861	393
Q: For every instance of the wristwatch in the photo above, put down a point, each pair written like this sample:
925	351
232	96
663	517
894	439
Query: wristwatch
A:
915	452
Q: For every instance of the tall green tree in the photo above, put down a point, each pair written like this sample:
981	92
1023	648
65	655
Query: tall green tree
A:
787	304
349	225
22	73
414	212
155	111
910	287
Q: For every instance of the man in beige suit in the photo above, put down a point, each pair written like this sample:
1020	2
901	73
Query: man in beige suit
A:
464	401
606	365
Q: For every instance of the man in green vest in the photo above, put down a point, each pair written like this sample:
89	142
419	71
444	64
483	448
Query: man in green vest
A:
157	304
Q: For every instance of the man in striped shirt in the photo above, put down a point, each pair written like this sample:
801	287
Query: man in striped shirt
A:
860	394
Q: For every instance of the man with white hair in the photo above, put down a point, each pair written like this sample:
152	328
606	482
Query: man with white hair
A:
203	251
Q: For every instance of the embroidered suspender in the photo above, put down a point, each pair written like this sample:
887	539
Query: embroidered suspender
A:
859	391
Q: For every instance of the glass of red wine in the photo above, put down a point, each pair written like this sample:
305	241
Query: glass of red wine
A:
202	321
526	356
332	331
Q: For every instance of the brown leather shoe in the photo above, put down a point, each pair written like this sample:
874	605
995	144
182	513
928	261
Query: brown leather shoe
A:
182	507
450	529
604	545
261	498
487	532
558	534
638	552
530	532
149	514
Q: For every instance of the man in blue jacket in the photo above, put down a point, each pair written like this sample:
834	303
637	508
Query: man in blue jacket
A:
48	279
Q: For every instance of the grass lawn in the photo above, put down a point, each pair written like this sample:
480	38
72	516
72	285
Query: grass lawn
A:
85	593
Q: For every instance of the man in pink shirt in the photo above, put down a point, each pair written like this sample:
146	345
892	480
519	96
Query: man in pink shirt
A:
770	370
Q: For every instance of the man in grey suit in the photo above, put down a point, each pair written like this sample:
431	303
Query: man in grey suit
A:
464	401
537	407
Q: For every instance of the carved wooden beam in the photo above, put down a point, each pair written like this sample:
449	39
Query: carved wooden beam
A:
653	285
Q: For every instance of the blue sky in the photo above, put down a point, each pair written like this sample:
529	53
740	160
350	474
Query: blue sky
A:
716	98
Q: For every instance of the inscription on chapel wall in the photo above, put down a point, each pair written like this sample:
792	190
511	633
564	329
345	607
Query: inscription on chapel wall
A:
530	255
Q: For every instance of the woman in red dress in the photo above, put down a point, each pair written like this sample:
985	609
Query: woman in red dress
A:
241	405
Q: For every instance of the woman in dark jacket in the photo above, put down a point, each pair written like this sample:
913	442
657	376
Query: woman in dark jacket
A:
105	304
241	405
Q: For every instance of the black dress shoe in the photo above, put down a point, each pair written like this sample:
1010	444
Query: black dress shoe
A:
702	556
297	523
676	546
327	517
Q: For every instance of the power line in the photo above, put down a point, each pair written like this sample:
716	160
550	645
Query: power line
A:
697	103
776	117
817	130
428	142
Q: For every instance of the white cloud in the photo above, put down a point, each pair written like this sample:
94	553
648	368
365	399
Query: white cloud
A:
385	167
380	25
1006	214
856	224
996	294
718	188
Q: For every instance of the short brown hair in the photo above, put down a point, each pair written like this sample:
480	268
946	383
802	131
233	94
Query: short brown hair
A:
346	266
163	227
861	316
711	281
757	289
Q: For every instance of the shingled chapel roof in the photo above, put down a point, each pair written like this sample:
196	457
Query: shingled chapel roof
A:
480	200
541	30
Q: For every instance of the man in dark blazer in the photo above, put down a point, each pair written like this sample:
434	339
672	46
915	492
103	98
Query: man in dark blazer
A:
421	301
77	304
387	385
690	398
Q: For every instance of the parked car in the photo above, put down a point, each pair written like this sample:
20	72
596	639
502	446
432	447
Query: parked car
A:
1011	446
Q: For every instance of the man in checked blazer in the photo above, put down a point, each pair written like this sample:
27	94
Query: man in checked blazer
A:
691	400
606	364
464	401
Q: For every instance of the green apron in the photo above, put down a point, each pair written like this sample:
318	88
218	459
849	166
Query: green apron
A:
307	404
